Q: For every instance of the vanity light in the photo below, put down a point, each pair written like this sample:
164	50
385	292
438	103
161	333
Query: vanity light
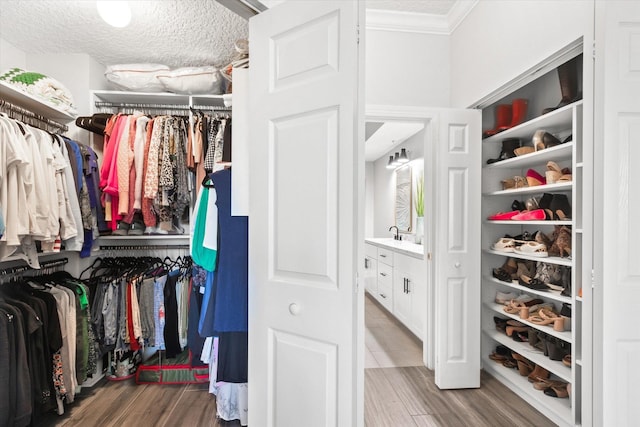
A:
403	157
396	159
390	164
114	12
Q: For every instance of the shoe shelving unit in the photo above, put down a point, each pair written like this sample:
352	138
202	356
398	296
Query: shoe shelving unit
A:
561	122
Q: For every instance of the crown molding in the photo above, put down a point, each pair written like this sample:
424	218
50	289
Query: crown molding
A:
390	20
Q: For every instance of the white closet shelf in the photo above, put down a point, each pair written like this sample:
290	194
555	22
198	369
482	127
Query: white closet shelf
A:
555	121
558	410
532	353
544	222
564	336
33	104
557	153
124	97
548	295
562	186
550	259
141	97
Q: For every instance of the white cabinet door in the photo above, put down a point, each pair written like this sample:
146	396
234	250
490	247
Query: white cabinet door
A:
617	285
457	249
401	295
305	236
417	288
371	275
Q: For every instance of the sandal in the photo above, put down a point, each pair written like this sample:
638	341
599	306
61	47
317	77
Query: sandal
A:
533	249
553	172
525	366
544	383
566	361
534	284
504	245
557	391
560	323
534	178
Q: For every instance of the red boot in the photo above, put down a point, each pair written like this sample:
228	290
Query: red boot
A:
503	118
518	113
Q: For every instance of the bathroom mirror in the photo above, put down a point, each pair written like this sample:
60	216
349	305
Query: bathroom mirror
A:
403	207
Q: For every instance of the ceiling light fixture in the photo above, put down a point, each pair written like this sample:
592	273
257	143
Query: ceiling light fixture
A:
114	12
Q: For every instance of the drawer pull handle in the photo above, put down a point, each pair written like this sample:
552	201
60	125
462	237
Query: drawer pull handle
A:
383	274
383	296
382	256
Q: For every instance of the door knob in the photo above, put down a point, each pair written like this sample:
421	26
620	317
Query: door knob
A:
457	265
294	309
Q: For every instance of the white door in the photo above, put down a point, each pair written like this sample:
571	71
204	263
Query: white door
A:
305	233
616	137
456	254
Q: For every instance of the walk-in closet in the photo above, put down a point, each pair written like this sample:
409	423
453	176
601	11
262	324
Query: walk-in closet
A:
332	213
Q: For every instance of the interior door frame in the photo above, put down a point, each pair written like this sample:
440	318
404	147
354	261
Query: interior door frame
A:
427	116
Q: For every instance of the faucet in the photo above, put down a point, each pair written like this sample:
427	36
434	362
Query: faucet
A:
397	236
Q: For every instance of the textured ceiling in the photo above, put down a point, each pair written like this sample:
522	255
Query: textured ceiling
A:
171	32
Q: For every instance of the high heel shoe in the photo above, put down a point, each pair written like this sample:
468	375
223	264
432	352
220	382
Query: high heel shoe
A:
525	366
543	139
560	206
557	391
553	172
538	374
534	178
561	245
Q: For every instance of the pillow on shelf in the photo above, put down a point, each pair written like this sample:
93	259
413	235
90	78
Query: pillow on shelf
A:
192	80
48	89
136	77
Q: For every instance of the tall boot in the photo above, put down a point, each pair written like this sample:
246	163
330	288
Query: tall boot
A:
518	113
503	118
568	77
508	147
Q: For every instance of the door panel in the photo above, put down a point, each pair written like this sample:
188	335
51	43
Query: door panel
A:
305	237
617	280
457	250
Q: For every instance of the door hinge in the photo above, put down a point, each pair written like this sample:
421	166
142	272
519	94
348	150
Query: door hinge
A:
593	50
358	34
357	282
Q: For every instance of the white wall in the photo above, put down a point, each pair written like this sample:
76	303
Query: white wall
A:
369	195
407	68
384	185
80	73
499	40
11	56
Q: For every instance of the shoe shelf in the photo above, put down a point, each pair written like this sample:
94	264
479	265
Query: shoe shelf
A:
550	260
557	153
547	295
556	121
564	336
548	188
556	409
533	354
545	222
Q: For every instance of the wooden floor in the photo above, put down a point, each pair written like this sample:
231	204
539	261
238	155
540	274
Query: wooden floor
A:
398	392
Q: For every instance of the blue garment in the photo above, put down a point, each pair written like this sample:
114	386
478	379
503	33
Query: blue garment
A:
207	314
77	154
231	277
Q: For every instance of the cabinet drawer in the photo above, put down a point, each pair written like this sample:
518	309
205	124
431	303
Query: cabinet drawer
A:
385	272
385	292
371	251
385	256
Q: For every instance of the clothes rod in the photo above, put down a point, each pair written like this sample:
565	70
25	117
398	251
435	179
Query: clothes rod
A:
43	266
24	113
169	107
141	247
